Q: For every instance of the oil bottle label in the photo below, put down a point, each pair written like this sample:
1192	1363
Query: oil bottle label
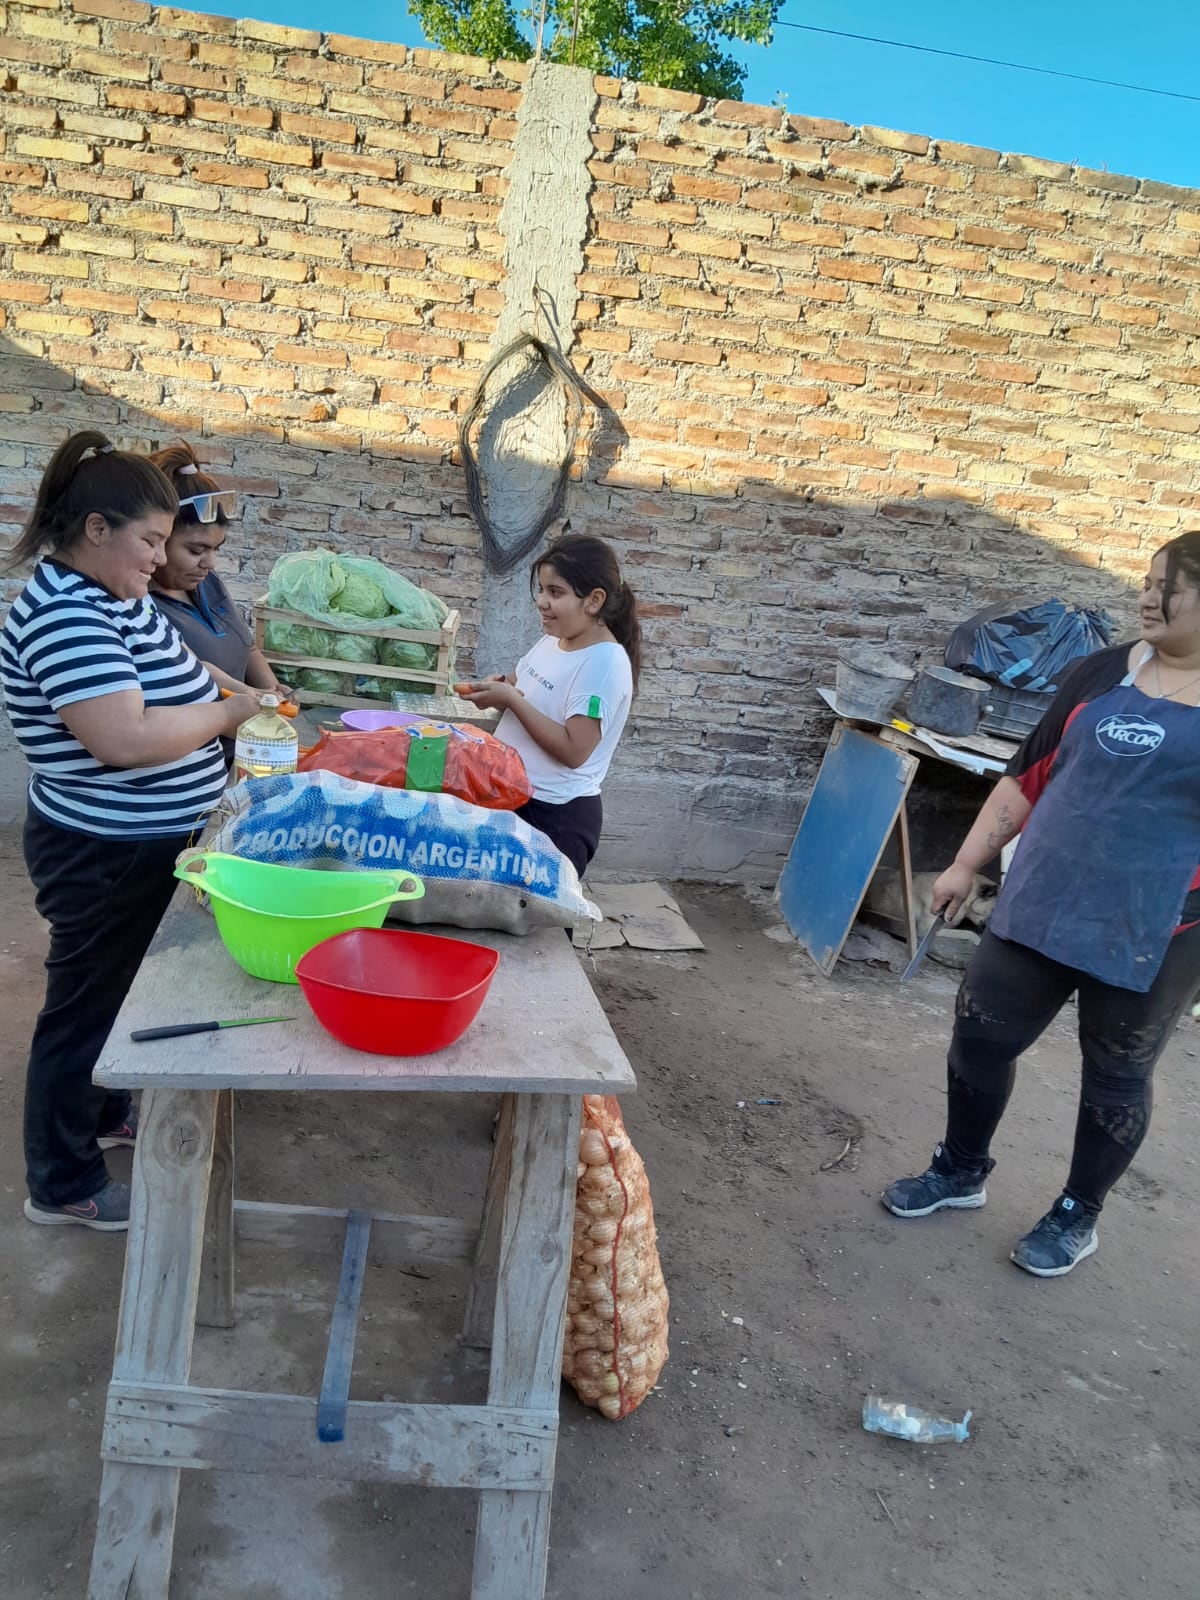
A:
264	757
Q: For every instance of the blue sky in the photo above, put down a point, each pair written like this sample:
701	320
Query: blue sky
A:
1139	134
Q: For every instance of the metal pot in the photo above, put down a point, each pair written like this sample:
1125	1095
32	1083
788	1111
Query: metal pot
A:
947	702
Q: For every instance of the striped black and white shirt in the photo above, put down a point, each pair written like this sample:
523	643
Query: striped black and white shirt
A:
68	639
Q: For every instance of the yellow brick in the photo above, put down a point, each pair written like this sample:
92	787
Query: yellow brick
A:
275	151
184	311
84	33
105	128
22	233
50	266
142	161
56	150
40	205
178	367
96	244
234	55
298	94
52	322
182	195
141	276
257	377
109	66
41	86
274	33
138	220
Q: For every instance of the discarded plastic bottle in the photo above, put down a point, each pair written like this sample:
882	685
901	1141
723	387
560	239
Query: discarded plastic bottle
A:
903	1421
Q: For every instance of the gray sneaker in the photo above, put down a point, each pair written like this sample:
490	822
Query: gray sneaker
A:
107	1211
941	1186
1064	1237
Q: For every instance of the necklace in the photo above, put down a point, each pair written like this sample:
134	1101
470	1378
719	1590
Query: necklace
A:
1165	694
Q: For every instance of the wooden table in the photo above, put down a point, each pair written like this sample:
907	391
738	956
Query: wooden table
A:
542	1041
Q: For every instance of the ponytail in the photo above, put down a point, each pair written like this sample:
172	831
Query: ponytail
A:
586	564
186	472
86	474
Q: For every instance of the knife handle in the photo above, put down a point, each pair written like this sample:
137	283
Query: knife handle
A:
144	1035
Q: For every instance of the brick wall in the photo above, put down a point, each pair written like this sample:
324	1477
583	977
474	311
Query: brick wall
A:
859	382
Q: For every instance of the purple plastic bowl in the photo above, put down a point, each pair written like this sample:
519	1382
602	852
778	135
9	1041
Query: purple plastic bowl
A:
371	721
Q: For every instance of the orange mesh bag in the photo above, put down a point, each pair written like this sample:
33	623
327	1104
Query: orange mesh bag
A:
617	1303
433	757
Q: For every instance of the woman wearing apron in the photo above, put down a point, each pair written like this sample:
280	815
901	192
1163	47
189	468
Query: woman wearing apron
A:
1102	900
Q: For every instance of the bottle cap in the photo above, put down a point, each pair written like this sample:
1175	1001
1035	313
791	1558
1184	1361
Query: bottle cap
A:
269	702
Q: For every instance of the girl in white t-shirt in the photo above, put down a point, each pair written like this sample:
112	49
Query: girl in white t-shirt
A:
566	705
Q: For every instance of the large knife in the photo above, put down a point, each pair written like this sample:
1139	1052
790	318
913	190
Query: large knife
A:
179	1029
935	927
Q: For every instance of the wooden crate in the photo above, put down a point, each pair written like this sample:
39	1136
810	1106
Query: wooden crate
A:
440	679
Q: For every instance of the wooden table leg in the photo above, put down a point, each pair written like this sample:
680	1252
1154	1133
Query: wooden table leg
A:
906	881
215	1308
135	1528
481	1297
512	1537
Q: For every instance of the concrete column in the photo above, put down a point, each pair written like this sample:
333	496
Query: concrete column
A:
544	222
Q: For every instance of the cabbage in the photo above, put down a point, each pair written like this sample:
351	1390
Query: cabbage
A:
355	647
416	657
359	596
317	681
295	640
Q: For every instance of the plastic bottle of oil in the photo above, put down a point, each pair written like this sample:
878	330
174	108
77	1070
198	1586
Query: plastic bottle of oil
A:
266	743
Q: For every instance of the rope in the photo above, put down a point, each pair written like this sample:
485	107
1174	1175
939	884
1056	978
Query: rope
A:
500	554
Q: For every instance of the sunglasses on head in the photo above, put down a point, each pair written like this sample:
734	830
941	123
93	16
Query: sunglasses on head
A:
207	507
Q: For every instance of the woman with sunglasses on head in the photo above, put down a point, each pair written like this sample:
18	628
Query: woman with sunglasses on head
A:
188	590
120	726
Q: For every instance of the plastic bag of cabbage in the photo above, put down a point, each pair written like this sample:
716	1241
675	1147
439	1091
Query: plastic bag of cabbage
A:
481	869
359	593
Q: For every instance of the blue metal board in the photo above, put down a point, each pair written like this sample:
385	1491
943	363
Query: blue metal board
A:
339	1357
846	825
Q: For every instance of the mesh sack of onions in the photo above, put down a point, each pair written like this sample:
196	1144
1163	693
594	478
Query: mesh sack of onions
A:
617	1303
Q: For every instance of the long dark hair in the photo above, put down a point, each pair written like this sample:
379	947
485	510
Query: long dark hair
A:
172	459
1183	561
87	474
585	564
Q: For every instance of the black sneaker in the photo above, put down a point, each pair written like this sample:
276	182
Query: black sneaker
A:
1064	1237
107	1211
940	1186
126	1134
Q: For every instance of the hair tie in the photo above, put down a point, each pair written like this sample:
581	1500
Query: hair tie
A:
188	470
105	449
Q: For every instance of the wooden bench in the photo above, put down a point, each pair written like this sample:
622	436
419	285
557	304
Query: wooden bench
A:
541	1041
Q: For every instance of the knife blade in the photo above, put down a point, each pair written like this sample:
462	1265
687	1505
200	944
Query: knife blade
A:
935	927
178	1029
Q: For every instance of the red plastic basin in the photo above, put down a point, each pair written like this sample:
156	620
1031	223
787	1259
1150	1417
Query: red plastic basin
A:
395	992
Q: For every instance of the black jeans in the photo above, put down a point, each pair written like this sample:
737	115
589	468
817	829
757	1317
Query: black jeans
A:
103	899
572	826
1009	996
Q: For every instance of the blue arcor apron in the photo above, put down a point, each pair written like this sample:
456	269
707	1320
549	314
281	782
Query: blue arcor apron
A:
1111	847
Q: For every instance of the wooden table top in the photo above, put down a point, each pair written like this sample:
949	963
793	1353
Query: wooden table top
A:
541	1029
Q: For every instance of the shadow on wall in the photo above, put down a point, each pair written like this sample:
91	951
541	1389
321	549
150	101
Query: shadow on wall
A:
747	594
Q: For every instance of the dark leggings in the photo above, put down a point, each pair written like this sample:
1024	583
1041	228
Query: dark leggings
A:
1008	999
573	826
103	899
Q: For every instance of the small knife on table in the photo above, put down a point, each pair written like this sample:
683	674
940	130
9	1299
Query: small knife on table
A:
935	927
178	1029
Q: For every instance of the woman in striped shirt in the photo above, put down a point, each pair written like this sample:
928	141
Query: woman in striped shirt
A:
120	726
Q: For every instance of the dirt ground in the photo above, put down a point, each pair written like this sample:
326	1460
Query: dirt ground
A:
793	1295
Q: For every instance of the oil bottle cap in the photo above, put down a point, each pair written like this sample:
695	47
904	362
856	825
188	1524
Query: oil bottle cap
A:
269	702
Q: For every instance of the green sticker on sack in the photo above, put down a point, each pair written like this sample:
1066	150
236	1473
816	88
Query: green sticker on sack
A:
426	769
593	709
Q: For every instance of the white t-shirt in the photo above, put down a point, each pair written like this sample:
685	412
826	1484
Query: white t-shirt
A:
595	682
